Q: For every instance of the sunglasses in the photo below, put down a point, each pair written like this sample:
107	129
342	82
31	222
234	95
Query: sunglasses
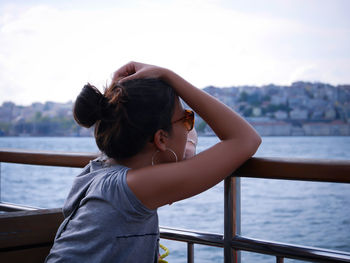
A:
187	120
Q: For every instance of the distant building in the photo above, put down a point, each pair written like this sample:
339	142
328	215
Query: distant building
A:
326	129
330	113
317	114
259	119
257	111
295	102
317	103
278	99
298	114
281	115
317	129
273	128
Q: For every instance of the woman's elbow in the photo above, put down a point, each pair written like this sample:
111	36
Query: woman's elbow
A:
258	140
253	144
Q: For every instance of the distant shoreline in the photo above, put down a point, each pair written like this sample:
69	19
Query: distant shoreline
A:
301	109
199	135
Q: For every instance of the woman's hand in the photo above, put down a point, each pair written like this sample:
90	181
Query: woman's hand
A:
136	70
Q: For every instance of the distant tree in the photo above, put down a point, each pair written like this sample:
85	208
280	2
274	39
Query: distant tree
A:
273	108
200	126
243	96
248	112
253	99
4	128
38	116
266	98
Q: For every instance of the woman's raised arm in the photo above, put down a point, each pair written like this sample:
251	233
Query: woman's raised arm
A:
166	183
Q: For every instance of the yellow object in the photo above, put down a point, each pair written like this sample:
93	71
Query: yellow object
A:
160	259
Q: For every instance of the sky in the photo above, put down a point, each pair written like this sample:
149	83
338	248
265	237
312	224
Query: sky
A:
50	49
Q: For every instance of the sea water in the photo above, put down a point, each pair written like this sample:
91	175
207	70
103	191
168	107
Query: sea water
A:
305	213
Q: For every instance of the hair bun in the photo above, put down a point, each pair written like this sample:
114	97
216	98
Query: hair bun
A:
88	105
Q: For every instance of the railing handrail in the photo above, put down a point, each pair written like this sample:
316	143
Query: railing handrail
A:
50	158
322	170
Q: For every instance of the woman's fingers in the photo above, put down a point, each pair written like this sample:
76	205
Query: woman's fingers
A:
124	71
136	70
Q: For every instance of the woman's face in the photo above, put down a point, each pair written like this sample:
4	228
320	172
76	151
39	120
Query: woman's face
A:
178	138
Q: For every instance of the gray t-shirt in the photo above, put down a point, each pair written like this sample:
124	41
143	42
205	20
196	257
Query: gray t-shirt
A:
104	220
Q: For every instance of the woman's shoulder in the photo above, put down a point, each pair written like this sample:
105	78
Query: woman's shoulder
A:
111	185
112	175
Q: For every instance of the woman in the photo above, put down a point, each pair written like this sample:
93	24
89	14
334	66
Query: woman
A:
142	128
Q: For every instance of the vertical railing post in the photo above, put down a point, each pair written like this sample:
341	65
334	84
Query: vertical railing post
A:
279	259
232	220
190	252
0	182
228	256
236	181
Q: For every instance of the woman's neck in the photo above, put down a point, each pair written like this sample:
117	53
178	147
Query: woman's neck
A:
140	160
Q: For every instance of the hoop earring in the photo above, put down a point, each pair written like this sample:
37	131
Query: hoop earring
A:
167	149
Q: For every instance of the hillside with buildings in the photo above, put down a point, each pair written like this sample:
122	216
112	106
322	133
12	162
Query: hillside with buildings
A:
39	119
302	108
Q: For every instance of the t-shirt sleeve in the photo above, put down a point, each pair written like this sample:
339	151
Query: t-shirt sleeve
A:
121	197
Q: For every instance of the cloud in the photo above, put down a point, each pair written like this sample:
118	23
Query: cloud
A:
49	52
306	72
333	71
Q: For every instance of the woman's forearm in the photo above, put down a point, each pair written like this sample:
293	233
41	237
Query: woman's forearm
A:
224	121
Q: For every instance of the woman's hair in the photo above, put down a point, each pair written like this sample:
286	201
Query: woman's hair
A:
127	116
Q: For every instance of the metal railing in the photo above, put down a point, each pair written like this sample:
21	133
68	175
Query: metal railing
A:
231	240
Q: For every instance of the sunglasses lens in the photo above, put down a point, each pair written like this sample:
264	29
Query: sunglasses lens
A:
187	125
189	120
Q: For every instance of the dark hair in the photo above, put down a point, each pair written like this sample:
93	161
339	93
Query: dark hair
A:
127	116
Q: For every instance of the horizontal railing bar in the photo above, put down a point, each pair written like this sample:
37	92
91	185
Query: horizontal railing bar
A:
323	170
289	251
280	250
238	242
208	239
55	212
10	207
51	158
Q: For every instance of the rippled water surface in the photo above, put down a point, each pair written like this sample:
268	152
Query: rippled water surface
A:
307	213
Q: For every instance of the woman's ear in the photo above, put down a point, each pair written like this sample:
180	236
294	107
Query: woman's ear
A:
160	139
